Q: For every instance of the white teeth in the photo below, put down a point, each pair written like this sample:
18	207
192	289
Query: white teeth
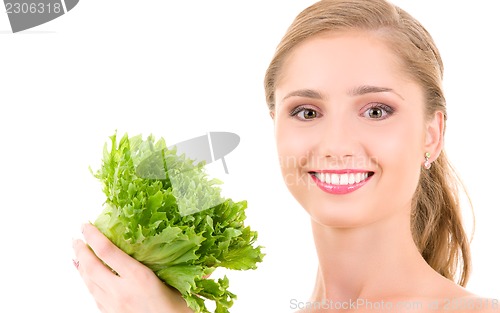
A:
335	179
344	179
351	179
341	179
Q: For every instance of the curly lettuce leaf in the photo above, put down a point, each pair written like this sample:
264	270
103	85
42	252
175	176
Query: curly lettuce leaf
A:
163	210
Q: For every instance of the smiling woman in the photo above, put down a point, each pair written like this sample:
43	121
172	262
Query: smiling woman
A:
355	92
356	98
354	127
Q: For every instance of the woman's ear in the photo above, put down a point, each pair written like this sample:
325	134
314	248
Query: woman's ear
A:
271	113
434	137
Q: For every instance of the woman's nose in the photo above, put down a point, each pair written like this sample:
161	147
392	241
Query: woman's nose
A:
338	138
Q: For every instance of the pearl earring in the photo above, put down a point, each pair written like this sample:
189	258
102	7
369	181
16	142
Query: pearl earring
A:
427	164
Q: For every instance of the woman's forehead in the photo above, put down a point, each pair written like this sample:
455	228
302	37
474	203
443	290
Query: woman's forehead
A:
345	60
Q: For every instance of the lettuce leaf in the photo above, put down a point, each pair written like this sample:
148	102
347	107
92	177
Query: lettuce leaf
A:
164	211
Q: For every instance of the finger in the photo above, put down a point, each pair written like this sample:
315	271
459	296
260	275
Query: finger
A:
90	267
110	254
94	273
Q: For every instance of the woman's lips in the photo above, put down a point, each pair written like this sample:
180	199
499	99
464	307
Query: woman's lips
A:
341	181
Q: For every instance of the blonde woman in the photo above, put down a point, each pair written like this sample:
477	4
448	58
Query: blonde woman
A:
355	94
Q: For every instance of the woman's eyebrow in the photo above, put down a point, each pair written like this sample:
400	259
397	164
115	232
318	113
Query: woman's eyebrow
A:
357	91
365	89
305	93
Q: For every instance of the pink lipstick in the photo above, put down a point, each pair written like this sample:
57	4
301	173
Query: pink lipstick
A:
340	182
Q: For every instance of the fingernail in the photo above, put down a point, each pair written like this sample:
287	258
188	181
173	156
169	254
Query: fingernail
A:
76	263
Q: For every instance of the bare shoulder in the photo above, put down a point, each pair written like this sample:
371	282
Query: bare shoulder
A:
457	299
472	304
490	305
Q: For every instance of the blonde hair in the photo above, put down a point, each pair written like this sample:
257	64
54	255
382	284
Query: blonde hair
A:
436	220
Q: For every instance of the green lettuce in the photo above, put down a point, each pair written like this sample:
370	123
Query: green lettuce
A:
164	211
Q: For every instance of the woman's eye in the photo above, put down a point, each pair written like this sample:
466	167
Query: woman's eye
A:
378	112
304	113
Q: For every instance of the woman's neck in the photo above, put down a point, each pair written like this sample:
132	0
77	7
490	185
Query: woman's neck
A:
376	261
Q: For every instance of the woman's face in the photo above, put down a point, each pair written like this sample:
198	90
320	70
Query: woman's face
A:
350	129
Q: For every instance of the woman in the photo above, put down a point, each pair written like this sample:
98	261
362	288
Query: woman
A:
355	94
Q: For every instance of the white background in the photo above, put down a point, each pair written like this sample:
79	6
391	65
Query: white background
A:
178	70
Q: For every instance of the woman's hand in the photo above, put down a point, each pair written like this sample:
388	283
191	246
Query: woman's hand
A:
125	285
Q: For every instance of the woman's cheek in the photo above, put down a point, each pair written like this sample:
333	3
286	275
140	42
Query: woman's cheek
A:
293	153
398	160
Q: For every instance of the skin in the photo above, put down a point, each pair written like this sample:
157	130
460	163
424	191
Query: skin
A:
135	290
363	239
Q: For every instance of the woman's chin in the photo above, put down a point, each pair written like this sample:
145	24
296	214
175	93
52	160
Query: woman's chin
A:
340	217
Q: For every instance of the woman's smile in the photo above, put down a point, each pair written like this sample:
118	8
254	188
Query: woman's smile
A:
341	181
